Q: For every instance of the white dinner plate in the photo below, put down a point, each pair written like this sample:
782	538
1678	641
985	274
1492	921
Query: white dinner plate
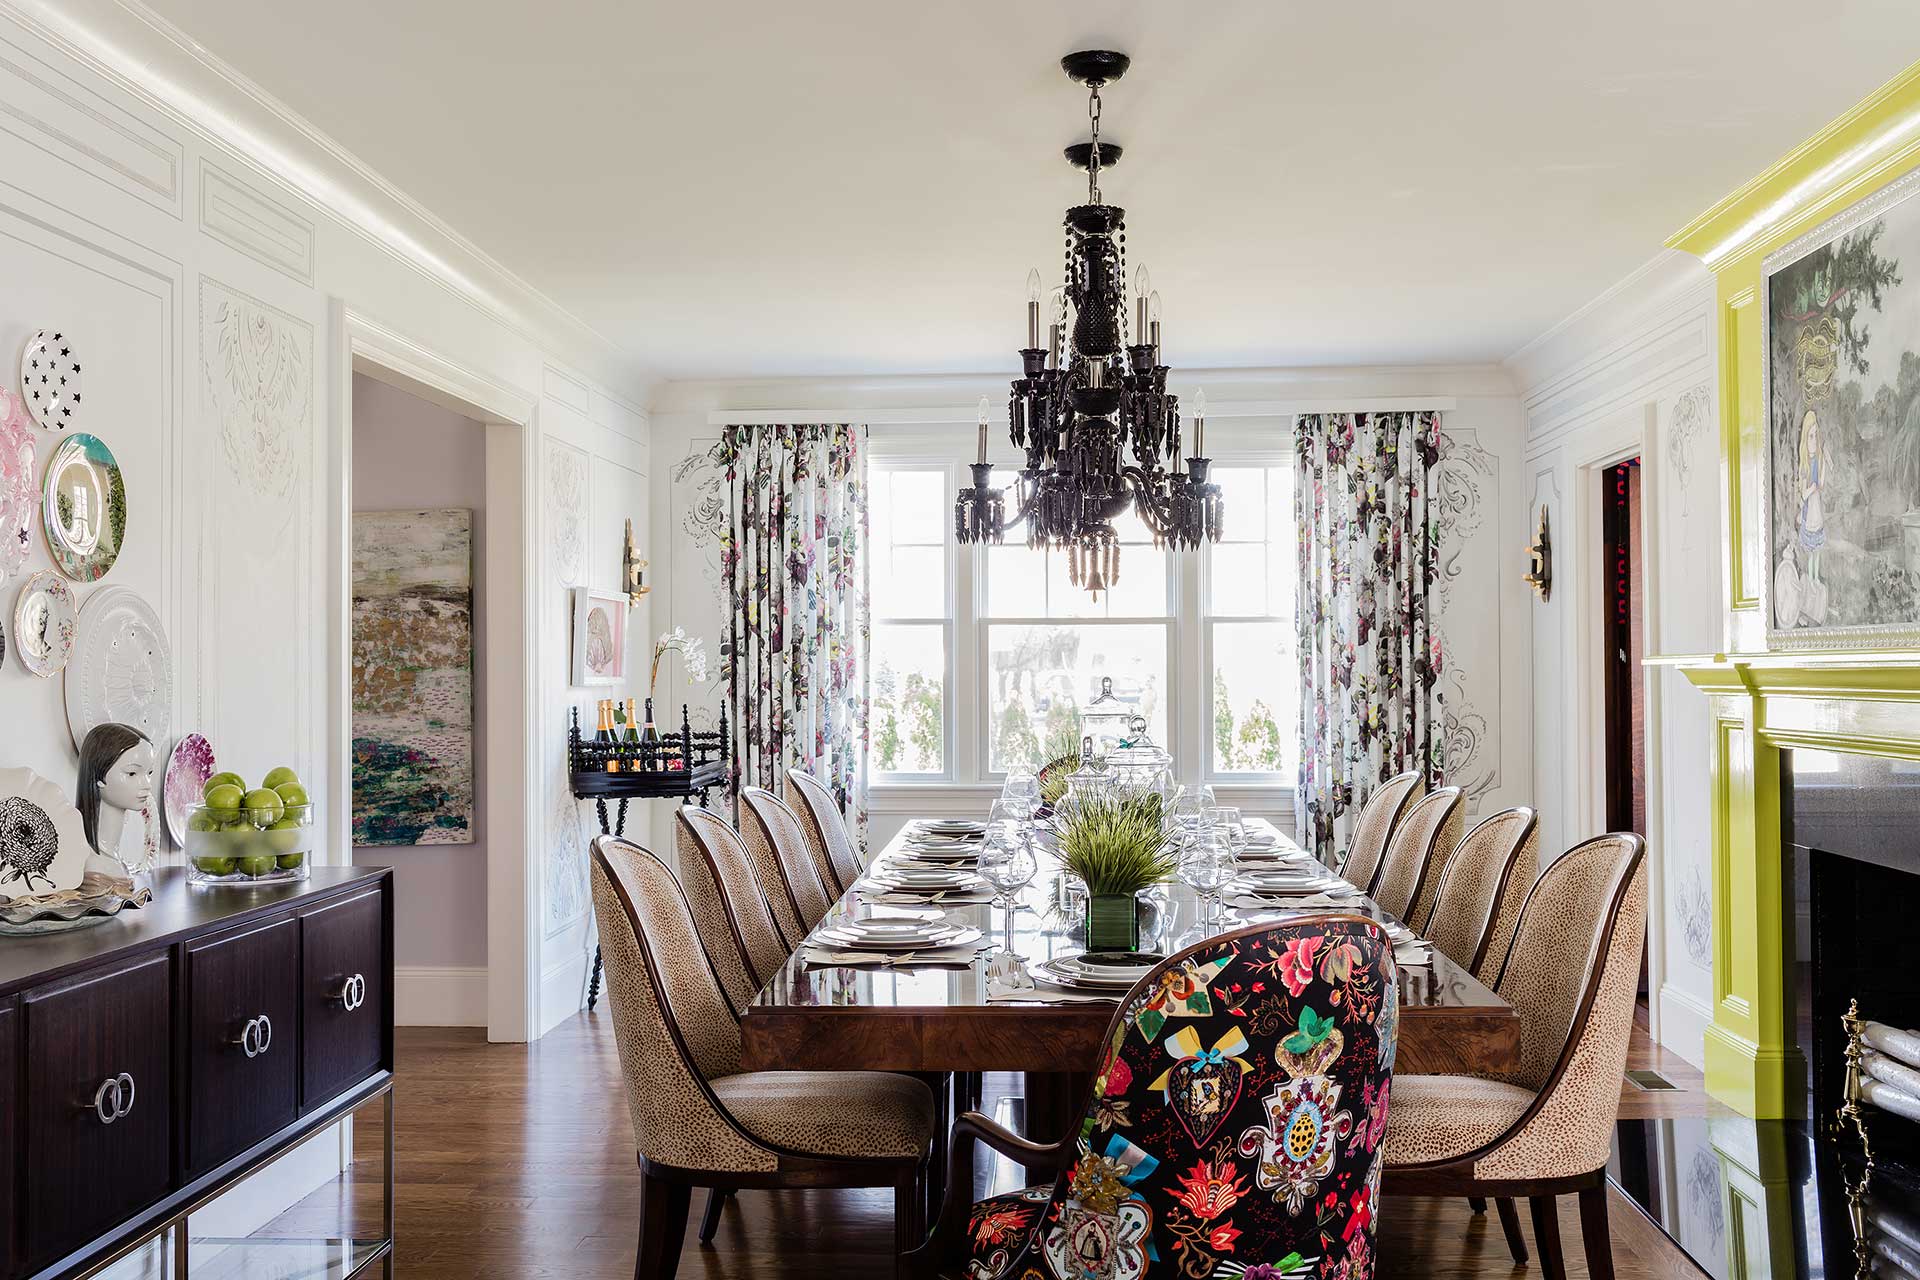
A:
1077	979
952	937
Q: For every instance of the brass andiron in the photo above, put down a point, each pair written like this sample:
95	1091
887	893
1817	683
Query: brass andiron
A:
1850	1113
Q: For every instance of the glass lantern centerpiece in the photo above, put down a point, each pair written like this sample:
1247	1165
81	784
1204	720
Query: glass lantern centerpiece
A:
1104	722
249	844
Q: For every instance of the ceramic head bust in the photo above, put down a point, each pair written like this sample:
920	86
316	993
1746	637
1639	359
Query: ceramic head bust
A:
117	764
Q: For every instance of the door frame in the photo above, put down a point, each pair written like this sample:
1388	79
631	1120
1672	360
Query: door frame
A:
361	344
1632	434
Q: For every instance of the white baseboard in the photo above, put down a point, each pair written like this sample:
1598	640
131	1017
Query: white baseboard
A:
1684	1019
563	990
426	995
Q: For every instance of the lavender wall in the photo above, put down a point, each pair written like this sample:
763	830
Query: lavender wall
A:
409	453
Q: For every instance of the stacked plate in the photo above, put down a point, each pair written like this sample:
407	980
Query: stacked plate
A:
921	879
875	934
1298	882
952	828
1106	971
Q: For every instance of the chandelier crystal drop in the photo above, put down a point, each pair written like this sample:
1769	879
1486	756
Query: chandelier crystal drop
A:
1091	410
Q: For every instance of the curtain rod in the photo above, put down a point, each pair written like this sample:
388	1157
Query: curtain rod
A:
1216	409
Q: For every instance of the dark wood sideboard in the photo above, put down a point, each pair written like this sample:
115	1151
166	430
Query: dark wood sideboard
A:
150	1063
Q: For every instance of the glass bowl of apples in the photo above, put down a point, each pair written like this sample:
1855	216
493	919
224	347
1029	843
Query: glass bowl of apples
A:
250	835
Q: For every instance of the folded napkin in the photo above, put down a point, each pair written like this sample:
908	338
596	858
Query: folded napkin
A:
921	897
1003	993
1413	955
941	957
1288	902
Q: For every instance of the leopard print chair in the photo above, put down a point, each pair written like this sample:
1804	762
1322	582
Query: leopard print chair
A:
834	854
774	835
728	902
1235	1127
1420	843
1378	817
1546	1128
1477	906
698	1120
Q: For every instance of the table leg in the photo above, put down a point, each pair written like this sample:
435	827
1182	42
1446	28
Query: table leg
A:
1055	1102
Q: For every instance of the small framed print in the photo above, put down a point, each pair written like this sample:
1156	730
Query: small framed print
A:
599	636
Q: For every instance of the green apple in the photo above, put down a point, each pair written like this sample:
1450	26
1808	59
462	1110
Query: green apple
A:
264	807
225	780
284	835
257	864
291	861
292	793
224	800
279	778
215	866
203	820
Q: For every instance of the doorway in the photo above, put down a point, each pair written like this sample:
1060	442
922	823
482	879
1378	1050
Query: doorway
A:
1623	579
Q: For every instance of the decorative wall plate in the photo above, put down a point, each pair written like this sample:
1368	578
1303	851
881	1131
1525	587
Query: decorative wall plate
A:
43	845
121	671
50	380
19	484
85	507
43	623
188	768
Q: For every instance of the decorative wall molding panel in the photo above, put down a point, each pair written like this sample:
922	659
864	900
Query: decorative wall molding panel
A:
258	365
567	389
42	105
245	218
1469	589
567	506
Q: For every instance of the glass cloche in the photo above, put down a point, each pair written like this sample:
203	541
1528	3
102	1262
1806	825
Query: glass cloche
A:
1104	720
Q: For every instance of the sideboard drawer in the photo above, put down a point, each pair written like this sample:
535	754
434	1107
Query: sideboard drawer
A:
9	1131
98	1101
243	1040
343	994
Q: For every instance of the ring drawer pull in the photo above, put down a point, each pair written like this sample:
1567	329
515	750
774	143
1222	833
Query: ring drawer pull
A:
353	993
113	1100
256	1037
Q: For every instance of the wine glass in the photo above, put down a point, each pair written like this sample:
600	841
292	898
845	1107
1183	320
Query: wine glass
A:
1009	866
1206	866
1022	790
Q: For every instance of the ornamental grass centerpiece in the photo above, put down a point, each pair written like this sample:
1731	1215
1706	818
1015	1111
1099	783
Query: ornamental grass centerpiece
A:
1112	840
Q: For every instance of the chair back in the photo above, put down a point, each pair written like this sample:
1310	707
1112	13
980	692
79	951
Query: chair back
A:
834	855
1572	974
672	1024
711	852
765	821
1410	870
1482	887
1235	1127
1378	816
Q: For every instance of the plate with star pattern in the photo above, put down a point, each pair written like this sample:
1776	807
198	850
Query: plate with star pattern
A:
50	380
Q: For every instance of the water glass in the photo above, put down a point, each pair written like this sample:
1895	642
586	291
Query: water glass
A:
1226	821
1009	866
1206	866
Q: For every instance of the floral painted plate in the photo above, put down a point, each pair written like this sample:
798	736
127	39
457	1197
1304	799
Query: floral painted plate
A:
85	507
19	485
50	380
188	769
43	623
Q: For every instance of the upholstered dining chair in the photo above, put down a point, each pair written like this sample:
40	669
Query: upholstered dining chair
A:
728	902
834	854
1377	819
1477	905
1229	1133
1420	842
698	1120
1544	1129
773	834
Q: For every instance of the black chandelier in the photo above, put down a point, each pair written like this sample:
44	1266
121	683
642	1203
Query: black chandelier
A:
1092	412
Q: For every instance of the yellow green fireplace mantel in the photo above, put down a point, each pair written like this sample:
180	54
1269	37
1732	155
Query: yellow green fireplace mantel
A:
1763	701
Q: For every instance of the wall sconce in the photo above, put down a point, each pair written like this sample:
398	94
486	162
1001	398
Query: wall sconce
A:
1539	574
632	570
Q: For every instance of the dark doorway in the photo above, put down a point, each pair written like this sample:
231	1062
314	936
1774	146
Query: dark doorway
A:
1626	687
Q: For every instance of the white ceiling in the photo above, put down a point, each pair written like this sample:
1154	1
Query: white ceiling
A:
859	186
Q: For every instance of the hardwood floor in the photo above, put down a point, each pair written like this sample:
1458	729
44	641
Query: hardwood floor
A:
515	1161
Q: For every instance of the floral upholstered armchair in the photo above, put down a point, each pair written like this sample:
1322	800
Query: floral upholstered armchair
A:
1234	1130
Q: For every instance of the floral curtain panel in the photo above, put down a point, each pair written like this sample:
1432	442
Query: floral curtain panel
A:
794	561
1369	645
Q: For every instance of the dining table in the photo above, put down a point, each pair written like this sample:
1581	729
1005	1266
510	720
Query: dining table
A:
954	1015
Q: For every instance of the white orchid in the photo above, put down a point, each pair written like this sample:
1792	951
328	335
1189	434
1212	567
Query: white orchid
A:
692	651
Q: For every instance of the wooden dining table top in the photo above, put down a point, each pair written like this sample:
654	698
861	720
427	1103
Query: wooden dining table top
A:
936	1019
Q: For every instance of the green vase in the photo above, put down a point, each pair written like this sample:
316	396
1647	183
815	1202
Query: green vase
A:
1113	922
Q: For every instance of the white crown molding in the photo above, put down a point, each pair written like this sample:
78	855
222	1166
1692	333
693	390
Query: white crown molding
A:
148	57
1669	277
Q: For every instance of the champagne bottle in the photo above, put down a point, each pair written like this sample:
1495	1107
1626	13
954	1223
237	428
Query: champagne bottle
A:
630	739
648	735
605	735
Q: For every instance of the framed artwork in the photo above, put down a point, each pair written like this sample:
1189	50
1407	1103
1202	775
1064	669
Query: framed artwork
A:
1841	366
413	771
599	636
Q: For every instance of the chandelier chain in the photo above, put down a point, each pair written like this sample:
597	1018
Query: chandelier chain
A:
1093	161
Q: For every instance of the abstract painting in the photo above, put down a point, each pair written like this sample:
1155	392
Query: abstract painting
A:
413	677
1842	351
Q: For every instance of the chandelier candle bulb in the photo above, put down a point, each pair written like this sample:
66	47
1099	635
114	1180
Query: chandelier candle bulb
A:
1142	290
1199	422
1033	307
986	417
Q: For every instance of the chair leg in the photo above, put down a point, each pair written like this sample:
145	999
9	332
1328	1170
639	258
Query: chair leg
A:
1477	1204
1593	1231
909	1209
710	1220
663	1226
1546	1235
1510	1224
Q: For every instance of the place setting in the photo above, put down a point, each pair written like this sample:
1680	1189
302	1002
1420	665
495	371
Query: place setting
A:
1290	886
895	882
894	942
1103	976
